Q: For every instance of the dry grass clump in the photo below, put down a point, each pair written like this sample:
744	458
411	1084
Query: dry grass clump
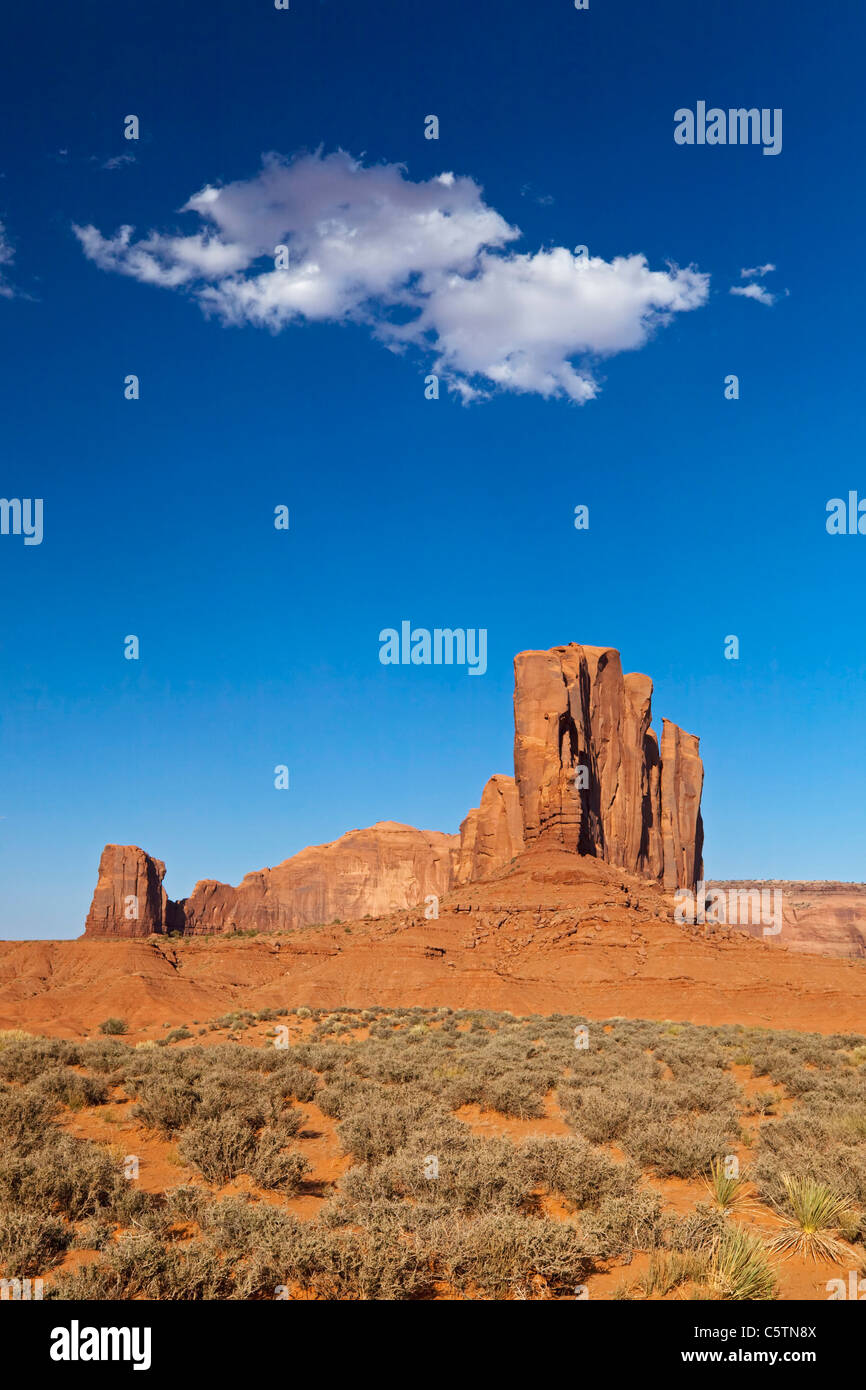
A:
739	1269
728	1190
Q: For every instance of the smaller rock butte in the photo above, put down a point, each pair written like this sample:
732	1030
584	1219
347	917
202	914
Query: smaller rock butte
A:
634	806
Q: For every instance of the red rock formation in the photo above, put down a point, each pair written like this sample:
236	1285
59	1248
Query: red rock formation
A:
559	933
365	873
682	779
491	834
827	919
129	899
589	776
588	768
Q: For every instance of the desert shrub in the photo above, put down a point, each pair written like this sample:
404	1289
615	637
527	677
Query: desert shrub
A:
138	1265
699	1229
166	1104
237	1225
812	1144
680	1150
131	1205
705	1091
271	1166
185	1202
619	1225
344	1094
601	1115
30	1242
107	1057
692	1050
25	1061
93	1234
575	1171
69	1177
224	1091
391	1230
501	1253
178	1034
290	1080
518	1093
71	1088
25	1119
382	1126
347	1265
219	1147
113	1027
472	1174
762	1103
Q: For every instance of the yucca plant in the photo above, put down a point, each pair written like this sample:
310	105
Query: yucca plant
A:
739	1269
818	1212
726	1191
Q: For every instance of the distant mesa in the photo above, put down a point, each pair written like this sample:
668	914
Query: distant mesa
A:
590	777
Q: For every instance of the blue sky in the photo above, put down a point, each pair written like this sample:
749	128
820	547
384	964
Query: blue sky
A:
259	647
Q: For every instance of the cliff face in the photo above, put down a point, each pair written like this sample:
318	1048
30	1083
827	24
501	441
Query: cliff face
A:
589	777
826	919
682	830
589	772
367	872
129	899
492	833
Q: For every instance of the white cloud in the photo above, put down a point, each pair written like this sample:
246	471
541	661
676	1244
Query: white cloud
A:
424	264
7	256
754	292
756	272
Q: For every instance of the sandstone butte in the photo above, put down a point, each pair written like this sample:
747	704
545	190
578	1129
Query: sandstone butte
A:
590	777
555	932
555	897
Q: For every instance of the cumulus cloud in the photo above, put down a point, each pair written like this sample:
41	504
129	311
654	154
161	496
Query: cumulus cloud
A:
754	291
757	272
425	265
